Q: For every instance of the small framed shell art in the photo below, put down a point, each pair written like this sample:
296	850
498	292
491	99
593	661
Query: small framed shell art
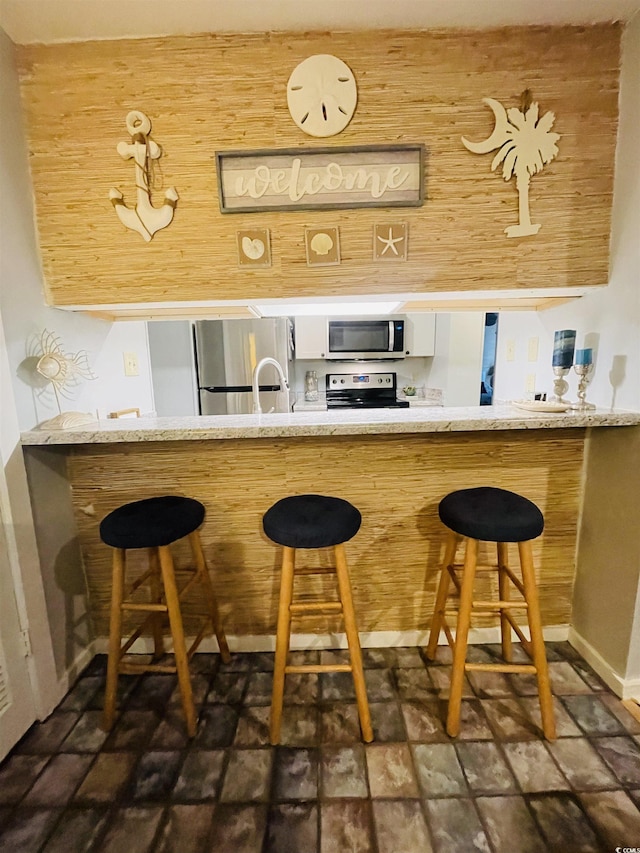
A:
323	246
390	241
254	248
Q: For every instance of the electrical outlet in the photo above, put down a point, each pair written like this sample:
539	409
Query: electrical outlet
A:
130	363
511	350
531	383
533	349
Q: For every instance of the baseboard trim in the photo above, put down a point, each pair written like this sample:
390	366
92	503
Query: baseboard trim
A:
625	688
368	640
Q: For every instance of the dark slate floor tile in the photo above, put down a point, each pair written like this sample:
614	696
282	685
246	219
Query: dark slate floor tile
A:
337	687
615	707
589	676
408	658
565	724
261	661
26	829
200	775
534	767
592	715
96	666
379	658
565	680
439	771
518	654
82	693
581	764
564	824
340	724
205	663
561	650
238	663
485	769
423	722
444	656
132	731
509	720
132	830
58	781
391	771
259	688
126	686
343	772
171	733
292	828
216	726
186	829
77	831
238	828
474	724
253	726
346	825
296	774
46	737
87	735
400	826
301	688
305	657
622	755
199	688
228	687
5	811
387	722
510	826
155	775
17	775
635	796
455	826
152	693
415	684
441	679
380	687
615	816
107	777
248	776
489	685
300	725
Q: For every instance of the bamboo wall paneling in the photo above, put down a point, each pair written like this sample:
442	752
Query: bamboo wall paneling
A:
213	93
395	558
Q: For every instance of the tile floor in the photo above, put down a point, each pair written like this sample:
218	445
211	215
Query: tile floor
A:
68	787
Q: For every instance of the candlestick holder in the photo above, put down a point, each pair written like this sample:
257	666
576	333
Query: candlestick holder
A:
583	371
560	386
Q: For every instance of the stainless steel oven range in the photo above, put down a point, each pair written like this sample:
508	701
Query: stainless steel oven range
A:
363	391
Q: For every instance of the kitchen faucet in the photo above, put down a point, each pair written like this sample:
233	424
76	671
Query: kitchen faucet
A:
256	375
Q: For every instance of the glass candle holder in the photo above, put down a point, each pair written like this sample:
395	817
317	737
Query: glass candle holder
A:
560	386
583	370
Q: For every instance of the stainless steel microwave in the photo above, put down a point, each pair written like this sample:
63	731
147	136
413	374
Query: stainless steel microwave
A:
365	339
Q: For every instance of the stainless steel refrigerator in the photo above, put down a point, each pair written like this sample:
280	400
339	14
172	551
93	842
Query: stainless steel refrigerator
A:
226	353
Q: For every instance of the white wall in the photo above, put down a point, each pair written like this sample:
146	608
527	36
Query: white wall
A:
24	313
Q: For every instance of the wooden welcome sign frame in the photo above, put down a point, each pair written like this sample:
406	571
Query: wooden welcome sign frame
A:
321	178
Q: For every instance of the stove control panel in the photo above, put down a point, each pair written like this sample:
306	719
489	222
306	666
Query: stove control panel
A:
360	381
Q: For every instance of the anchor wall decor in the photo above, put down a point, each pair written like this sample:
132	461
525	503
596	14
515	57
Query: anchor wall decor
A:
144	218
526	146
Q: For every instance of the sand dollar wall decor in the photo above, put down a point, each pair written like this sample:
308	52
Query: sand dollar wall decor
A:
322	95
526	146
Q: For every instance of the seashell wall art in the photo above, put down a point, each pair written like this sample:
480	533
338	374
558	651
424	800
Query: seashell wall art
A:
323	246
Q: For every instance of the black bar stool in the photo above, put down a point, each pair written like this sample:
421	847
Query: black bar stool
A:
491	515
309	522
154	524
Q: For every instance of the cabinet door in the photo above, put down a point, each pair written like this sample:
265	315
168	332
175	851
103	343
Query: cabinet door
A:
17	709
420	334
310	337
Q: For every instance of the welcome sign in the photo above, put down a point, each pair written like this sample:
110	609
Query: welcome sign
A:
322	178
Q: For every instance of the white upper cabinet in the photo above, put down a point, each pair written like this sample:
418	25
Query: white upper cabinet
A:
310	337
420	334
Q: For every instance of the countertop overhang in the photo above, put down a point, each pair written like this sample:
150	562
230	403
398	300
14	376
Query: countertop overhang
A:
292	424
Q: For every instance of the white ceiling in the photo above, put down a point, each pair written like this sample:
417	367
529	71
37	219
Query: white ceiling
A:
27	21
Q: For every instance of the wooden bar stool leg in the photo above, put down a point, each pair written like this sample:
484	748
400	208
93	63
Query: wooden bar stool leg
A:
177	633
115	637
283	633
441	596
203	573
155	583
462	634
353	641
504	593
537	643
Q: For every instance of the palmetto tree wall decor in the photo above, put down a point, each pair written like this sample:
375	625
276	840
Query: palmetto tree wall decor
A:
525	146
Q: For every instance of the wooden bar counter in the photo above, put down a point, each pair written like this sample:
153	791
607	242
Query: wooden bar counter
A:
394	465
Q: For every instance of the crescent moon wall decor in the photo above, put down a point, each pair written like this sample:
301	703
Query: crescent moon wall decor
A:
322	95
525	146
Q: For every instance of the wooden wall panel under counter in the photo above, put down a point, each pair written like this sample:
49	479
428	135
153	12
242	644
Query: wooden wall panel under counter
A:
395	481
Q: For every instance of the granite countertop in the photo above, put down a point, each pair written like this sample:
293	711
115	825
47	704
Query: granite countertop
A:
351	422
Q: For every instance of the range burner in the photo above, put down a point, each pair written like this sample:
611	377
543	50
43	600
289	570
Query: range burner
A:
363	391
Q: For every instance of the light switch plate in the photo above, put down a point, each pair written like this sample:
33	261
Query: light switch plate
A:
130	363
531	383
533	349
